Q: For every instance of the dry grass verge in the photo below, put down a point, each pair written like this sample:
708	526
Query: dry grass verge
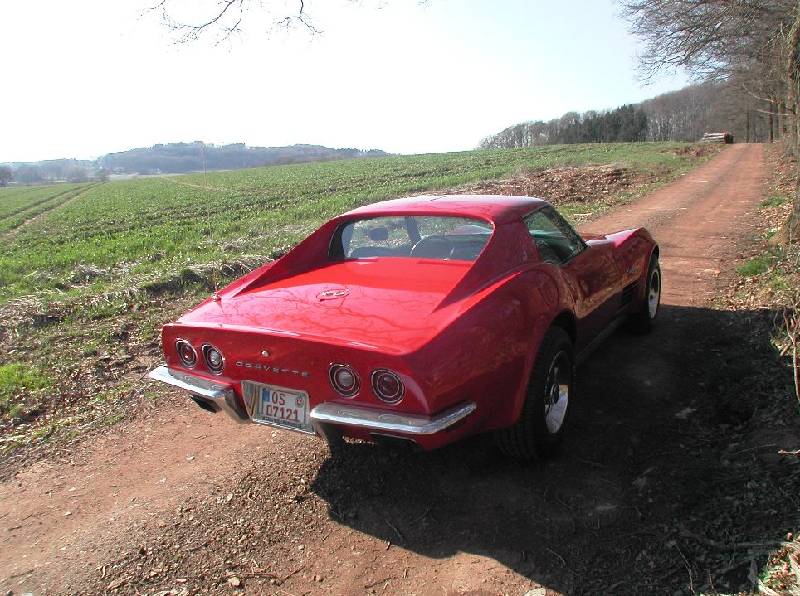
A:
769	282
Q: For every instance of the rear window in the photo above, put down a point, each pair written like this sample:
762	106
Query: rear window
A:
415	236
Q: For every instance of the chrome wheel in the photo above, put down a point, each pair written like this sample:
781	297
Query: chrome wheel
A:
545	412
654	293
556	396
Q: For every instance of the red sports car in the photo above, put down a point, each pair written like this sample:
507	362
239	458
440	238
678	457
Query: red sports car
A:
423	319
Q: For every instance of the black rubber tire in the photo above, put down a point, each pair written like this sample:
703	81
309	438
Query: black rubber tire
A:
641	321
529	438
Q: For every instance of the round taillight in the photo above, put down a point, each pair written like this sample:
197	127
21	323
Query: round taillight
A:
344	380
215	361
387	386
186	353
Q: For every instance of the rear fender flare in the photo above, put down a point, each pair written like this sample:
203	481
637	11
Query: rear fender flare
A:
565	319
641	290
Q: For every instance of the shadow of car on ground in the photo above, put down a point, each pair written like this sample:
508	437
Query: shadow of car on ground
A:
664	483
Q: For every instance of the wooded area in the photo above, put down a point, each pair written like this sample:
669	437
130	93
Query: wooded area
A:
683	115
751	46
627	123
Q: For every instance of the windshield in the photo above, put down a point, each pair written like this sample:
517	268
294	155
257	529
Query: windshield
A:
416	236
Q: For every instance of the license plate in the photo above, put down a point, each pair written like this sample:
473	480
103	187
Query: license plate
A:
279	406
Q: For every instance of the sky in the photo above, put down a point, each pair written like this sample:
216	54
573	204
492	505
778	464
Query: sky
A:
89	77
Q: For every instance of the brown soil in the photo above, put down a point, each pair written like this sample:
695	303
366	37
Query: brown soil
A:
698	221
665	483
573	184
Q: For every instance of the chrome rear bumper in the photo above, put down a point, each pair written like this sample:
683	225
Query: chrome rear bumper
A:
219	395
222	397
389	422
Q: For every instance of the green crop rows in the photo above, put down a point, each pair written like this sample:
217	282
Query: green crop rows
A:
141	230
19	200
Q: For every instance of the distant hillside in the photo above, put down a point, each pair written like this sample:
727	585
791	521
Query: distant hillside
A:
50	170
177	158
682	115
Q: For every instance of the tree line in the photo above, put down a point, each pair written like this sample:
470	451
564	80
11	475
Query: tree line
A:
626	123
171	158
683	115
192	157
69	170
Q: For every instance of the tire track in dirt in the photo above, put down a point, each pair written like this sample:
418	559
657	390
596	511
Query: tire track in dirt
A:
59	201
60	519
203	187
32	206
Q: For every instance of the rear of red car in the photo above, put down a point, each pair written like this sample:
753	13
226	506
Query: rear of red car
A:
342	349
413	326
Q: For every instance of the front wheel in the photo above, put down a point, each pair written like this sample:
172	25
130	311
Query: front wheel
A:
642	320
541	424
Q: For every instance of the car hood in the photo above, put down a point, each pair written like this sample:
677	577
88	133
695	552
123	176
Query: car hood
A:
390	304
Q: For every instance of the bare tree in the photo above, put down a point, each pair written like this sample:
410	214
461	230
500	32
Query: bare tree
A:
756	42
710	38
225	18
743	42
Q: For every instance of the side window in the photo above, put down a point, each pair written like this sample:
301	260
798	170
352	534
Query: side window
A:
555	239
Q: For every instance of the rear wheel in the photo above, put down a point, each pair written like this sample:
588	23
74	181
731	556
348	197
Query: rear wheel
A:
541	424
642	320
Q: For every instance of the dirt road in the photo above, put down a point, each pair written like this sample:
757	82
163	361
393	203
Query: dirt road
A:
698	221
645	483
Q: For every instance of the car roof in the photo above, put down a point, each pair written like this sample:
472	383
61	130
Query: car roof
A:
495	208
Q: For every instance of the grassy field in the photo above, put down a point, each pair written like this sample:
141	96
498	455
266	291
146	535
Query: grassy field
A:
21	204
89	273
14	199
